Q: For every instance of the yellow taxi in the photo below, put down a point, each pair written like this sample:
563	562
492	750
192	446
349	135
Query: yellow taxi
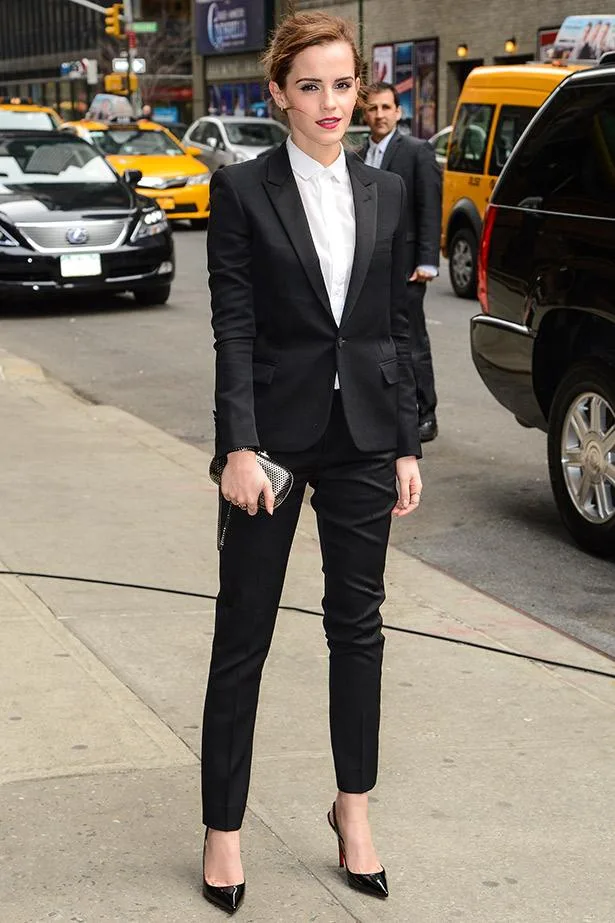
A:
170	172
16	113
495	107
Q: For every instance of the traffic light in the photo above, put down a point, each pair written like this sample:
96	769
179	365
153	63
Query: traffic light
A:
118	83
112	19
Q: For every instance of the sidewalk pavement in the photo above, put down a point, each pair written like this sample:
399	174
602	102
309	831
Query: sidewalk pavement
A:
495	801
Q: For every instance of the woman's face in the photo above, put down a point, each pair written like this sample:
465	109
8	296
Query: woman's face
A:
319	96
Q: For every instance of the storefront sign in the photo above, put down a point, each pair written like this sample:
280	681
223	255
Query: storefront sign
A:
546	43
382	64
230	26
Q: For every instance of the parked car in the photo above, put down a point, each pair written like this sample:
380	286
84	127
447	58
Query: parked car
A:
545	342
223	140
69	223
439	142
356	137
171	174
16	113
495	106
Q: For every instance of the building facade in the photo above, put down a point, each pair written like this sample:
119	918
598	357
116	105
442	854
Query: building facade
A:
44	44
425	48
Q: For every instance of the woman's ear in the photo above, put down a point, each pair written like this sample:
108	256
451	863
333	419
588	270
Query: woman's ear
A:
277	95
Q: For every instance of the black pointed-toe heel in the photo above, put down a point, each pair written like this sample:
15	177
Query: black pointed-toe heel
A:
374	883
227	897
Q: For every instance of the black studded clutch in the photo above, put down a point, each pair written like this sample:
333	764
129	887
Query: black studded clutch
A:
281	481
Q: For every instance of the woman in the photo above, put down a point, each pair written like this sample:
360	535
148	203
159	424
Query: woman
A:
308	282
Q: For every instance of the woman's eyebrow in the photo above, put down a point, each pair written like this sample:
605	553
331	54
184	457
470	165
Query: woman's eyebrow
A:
318	80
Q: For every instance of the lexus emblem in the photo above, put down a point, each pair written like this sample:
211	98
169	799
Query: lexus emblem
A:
77	236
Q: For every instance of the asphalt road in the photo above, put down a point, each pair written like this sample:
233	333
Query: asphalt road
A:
487	515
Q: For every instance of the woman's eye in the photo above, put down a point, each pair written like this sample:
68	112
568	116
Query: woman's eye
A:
307	87
343	85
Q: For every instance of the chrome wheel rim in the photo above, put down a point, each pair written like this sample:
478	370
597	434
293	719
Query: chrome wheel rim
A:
462	263
588	457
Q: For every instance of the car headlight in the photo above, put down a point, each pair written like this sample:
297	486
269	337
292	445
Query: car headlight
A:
201	179
6	240
154	222
151	182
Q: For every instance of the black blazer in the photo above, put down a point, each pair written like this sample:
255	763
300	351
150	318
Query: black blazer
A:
278	346
415	161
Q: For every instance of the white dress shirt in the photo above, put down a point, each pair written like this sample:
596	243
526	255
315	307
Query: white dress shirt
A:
376	150
326	194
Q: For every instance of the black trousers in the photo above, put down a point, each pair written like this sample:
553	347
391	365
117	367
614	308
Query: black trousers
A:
421	353
354	494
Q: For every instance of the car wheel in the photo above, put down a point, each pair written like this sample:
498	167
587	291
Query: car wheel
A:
152	295
462	263
581	448
198	224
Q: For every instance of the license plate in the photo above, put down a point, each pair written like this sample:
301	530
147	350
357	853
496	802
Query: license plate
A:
167	204
78	265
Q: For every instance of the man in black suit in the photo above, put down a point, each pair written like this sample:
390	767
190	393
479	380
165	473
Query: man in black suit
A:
415	162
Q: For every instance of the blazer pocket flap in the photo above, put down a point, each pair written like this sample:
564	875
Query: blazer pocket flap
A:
262	372
390	371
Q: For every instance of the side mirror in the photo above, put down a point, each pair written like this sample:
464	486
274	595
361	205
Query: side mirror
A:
193	151
211	142
132	177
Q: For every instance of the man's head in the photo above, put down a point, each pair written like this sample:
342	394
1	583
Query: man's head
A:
382	109
147	111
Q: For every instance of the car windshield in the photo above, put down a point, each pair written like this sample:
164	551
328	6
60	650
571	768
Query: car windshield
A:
135	142
254	134
34	161
356	137
14	118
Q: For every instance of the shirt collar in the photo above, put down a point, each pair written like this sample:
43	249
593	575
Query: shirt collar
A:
306	167
383	143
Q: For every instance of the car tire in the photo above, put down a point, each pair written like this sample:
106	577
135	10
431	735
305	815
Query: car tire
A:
462	265
152	295
198	224
581	463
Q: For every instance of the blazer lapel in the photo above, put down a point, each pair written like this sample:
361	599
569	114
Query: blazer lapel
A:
284	194
390	151
365	194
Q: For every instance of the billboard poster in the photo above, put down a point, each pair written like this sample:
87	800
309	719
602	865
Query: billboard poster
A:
230	26
425	88
585	38
382	64
403	77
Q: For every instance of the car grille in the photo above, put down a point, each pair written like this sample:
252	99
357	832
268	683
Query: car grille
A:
51	236
172	182
181	209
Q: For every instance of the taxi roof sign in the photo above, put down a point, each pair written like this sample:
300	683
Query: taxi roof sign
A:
584	39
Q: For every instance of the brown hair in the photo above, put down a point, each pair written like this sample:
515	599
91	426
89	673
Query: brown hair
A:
299	31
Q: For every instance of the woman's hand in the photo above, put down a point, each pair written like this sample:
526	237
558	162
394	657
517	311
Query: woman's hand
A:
243	481
409	485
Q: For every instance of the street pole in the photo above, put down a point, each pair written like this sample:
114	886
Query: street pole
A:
130	39
360	11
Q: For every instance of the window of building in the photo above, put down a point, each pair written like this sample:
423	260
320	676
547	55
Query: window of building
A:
512	123
470	136
568	164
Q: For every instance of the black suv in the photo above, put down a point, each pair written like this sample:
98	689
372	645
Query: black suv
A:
545	342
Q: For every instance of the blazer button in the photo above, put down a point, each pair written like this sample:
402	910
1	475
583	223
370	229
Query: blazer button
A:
340	342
